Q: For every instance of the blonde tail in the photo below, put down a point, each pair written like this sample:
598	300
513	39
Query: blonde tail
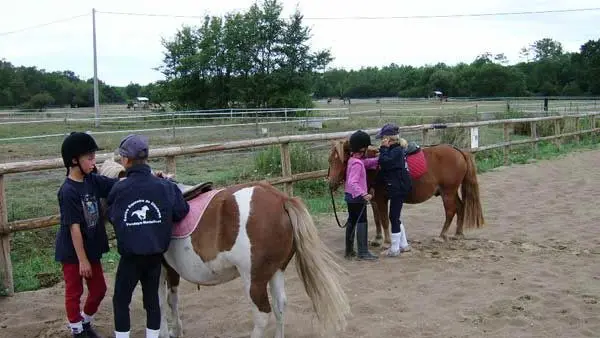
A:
319	271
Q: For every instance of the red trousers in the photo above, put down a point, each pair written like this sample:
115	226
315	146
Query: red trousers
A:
74	290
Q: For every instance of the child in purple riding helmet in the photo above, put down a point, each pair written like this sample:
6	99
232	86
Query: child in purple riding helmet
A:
357	196
394	172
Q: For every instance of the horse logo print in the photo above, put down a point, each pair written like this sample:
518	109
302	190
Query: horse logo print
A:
142	212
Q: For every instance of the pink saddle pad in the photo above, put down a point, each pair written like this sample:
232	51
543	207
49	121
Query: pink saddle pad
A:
197	207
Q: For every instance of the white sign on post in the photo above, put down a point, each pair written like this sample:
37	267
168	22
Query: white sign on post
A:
474	137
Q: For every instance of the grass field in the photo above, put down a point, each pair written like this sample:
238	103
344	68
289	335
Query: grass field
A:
34	194
360	114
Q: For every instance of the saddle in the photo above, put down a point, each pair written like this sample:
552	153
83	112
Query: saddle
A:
192	191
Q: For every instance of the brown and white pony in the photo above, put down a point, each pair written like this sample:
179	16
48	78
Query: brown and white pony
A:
450	170
252	231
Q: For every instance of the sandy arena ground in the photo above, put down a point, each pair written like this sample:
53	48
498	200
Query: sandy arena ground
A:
534	271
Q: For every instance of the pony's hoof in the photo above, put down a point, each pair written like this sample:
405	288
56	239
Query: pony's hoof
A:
374	243
441	239
458	237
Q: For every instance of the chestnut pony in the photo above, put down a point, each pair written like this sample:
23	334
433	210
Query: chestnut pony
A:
252	231
449	169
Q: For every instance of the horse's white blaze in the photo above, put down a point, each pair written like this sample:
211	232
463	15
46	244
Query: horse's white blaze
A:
182	257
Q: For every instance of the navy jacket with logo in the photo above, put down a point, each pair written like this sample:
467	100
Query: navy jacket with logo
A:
142	209
394	170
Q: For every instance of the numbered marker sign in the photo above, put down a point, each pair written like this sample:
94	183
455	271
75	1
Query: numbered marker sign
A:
474	137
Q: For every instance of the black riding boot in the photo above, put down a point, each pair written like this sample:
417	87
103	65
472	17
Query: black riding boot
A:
363	242
350	231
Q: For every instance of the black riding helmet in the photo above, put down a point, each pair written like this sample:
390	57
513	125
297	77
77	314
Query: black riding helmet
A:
75	145
358	140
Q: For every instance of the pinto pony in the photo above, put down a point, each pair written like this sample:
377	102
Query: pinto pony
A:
251	231
448	169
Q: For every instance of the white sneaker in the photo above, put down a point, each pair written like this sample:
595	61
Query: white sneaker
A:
390	253
121	334
152	333
394	249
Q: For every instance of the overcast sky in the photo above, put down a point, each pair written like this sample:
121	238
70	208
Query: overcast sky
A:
130	46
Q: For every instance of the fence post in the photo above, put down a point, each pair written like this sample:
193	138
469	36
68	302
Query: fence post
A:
171	164
286	167
577	138
557	132
173	124
6	274
424	139
534	136
593	125
506	140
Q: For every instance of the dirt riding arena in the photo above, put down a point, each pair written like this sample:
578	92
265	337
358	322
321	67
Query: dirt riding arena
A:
532	272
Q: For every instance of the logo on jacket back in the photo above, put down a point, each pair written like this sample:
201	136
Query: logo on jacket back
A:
142	212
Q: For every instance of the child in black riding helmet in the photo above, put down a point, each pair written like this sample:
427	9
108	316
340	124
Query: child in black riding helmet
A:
81	239
142	208
357	196
394	171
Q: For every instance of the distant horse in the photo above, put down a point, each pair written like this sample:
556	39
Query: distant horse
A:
250	231
448	168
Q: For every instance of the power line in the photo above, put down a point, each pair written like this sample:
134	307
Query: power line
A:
321	18
382	17
43	24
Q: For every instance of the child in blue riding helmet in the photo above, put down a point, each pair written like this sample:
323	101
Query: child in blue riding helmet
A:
142	208
357	196
394	172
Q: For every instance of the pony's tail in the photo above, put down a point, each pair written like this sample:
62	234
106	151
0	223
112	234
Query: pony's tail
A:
472	211
317	268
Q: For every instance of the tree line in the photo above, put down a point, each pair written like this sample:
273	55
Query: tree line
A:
256	58
32	88
547	71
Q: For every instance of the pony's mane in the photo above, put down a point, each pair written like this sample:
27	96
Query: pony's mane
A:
339	148
110	168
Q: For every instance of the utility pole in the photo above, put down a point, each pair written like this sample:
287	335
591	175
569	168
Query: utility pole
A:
96	99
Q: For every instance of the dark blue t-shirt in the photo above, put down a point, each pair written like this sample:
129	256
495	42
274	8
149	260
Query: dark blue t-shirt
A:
79	203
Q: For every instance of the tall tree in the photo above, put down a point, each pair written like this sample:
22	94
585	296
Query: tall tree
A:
252	59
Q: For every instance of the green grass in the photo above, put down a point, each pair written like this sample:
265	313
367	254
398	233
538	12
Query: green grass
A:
403	113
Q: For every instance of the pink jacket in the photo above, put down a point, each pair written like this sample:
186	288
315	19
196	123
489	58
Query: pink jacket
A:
356	175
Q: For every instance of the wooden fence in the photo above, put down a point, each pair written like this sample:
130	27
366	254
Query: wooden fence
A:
287	179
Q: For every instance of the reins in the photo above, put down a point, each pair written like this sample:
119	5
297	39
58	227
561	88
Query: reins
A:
333	203
335	211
